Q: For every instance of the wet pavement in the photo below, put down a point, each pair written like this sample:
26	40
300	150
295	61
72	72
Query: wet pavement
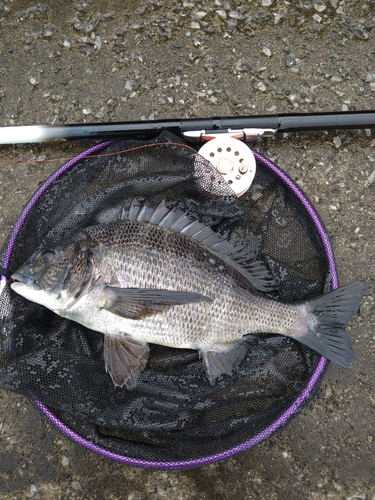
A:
106	61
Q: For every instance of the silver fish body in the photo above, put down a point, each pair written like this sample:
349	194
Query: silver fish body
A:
157	276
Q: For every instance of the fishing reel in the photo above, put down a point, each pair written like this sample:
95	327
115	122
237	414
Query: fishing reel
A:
231	157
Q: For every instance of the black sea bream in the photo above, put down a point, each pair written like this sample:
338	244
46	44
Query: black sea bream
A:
158	276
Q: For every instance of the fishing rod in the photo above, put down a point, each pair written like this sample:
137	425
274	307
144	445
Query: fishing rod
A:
248	128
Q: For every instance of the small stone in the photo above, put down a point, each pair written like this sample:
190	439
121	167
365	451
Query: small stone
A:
370	179
33	490
221	13
317	18
76	485
67	44
128	85
267	52
266	3
320	7
65	461
101	111
33	81
262	87
98	42
233	14
194	25
337	141
48	31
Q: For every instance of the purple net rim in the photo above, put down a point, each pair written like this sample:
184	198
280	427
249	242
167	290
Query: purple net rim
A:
277	424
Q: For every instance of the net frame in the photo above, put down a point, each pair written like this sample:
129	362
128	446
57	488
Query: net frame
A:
303	398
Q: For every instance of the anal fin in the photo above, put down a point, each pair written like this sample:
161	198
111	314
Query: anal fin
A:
218	363
125	358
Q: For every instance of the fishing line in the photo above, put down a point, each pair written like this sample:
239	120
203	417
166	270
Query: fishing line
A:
88	156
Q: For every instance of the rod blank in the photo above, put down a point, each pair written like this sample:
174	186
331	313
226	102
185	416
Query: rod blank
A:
149	129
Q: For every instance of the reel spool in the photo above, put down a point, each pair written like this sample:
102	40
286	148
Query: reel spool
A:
233	160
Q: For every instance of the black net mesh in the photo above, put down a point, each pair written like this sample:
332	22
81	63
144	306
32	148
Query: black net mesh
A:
174	413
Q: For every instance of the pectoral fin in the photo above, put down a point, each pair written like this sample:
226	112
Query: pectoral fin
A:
138	303
125	358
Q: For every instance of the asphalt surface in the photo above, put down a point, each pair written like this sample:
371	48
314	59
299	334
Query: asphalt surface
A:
123	60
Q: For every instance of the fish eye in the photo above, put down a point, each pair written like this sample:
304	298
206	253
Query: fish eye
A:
47	257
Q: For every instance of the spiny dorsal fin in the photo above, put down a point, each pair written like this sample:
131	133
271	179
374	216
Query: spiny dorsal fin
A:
134	209
237	256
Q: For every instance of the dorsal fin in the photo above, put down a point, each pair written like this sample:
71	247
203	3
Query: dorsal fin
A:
160	211
145	213
133	211
237	256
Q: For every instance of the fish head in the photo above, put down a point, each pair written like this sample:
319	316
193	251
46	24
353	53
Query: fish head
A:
56	277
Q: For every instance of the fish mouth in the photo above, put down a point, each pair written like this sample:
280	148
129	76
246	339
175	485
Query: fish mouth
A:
21	278
28	288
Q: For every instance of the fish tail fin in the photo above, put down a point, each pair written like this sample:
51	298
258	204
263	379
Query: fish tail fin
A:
326	322
222	362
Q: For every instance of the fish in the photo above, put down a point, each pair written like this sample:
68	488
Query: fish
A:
158	275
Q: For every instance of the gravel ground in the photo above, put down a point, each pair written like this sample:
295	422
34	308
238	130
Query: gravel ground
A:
124	60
